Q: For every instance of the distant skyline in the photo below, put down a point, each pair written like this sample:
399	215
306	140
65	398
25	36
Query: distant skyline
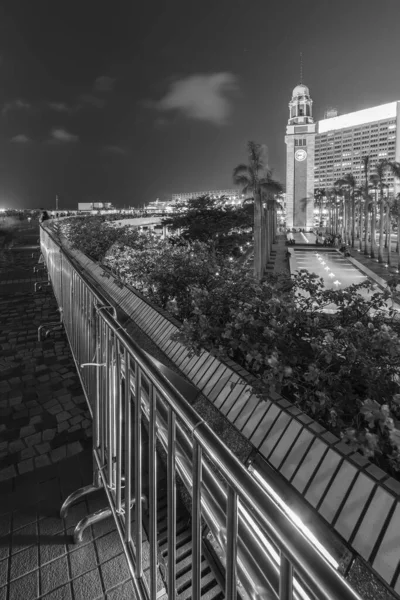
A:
125	103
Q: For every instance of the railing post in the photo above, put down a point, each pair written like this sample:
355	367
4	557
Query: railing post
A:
196	520
285	579
153	490
138	470
171	510
231	544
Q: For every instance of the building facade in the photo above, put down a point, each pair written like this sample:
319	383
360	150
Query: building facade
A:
342	141
235	196
318	154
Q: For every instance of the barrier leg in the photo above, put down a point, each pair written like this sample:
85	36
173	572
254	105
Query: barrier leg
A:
100	515
75	496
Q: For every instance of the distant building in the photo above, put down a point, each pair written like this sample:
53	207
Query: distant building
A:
95	206
234	196
318	154
330	113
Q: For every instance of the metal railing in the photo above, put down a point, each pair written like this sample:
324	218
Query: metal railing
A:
138	413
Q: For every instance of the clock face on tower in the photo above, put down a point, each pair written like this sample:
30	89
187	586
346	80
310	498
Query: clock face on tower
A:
300	155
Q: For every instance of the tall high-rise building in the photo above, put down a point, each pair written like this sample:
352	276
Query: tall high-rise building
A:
342	141
318	154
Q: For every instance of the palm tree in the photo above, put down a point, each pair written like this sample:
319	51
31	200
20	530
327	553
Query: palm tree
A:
366	163
349	183
396	213
255	177
319	201
340	192
375	186
270	190
380	168
360	215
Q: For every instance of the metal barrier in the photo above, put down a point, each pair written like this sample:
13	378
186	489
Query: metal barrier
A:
263	554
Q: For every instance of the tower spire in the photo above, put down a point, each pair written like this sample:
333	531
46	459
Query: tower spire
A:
301	68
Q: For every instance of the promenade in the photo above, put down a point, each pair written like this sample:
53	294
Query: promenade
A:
45	452
45	446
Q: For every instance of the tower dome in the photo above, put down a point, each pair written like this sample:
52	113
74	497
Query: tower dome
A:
301	90
300	106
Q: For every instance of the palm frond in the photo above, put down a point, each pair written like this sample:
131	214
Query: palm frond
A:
241	169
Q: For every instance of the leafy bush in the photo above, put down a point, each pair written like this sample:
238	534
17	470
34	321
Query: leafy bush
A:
94	236
167	275
334	367
342	369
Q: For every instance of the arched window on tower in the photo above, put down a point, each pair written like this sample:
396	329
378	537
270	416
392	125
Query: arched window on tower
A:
308	113
301	111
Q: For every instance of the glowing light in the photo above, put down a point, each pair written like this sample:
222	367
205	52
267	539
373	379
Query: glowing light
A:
331	274
337	282
295	519
327	269
368	115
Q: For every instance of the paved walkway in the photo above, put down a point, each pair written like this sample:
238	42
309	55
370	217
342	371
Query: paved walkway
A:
45	453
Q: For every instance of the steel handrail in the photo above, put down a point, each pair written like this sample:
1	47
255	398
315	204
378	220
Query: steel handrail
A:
318	575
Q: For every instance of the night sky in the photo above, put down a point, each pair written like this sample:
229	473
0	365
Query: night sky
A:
128	101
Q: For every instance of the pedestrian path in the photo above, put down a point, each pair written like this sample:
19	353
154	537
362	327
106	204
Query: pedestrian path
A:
45	454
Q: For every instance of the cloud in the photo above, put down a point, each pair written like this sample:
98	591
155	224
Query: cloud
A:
61	135
200	97
104	84
114	150
93	100
15	105
21	139
59	106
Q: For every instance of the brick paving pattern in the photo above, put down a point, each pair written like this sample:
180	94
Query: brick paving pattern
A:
43	412
45	453
37	557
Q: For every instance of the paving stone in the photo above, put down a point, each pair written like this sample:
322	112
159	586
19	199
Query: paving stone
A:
25	588
61	593
55	410
63	416
50	404
126	590
42	461
63	426
88	586
74	448
24	562
69	405
16	446
75	428
27	431
54	574
58	454
7	473
42	448
115	572
83	560
25	466
33	440
27	453
48	434
108	546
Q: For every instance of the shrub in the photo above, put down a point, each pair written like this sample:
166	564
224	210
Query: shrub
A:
341	368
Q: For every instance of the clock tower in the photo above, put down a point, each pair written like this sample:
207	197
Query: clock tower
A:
300	149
